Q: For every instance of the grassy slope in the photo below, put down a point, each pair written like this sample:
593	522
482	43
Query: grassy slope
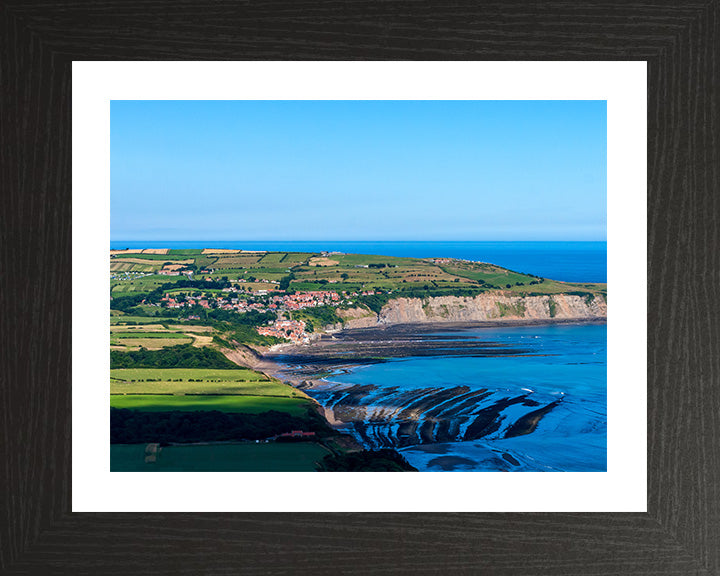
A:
232	390
131	344
197	381
230	403
120	318
146	334
169	374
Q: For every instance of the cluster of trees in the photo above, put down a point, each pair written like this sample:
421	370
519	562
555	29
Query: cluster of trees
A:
374	302
285	281
182	356
135	426
318	317
427	292
244	335
588	295
384	460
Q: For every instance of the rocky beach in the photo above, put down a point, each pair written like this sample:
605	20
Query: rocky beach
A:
460	390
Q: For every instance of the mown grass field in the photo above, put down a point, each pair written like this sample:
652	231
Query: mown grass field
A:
235	261
126	344
126	330
123	287
190	328
186	374
152	257
245	457
295	258
124	322
491	275
128	267
235	390
145	334
156	336
126	318
225	403
140	328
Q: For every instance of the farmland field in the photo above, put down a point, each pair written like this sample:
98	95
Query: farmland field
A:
235	261
124	266
190	328
140	341
244	457
234	375
295	258
197	381
144	284
272	259
145	327
225	403
155	336
227	387
146	334
153	257
349	272
123	319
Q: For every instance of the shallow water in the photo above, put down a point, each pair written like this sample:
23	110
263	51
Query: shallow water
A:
529	398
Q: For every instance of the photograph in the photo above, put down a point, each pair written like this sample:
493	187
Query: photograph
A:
337	285
247	243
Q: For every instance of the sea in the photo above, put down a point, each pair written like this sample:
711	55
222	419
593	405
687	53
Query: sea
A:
566	261
511	398
516	398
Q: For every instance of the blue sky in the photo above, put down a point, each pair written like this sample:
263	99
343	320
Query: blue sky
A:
358	170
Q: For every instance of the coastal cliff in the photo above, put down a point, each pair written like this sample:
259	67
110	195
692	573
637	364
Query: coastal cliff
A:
481	308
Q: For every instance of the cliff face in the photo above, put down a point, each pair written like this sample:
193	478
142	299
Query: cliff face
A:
485	307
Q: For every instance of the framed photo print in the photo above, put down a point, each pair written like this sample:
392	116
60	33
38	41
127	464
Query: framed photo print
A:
359	288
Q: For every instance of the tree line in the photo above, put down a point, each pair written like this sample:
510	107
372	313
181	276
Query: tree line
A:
135	426
182	356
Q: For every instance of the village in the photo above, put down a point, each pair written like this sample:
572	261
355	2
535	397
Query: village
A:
241	302
261	301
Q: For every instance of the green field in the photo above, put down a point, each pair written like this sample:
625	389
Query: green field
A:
147	334
152	336
233	375
354	259
128	344
131	267
227	403
197	381
123	319
145	284
160	257
293	258
245	457
272	259
491	275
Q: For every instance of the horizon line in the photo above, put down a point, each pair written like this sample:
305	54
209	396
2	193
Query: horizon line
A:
346	240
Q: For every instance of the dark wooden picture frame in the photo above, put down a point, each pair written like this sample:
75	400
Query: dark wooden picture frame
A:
680	533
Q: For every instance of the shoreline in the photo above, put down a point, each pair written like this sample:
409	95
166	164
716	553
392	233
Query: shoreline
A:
499	323
419	327
310	365
265	360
